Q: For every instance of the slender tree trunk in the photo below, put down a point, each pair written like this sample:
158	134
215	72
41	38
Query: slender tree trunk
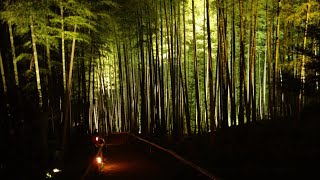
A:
276	73
63	50
233	71
205	68
250	65
41	120
13	52
252	74
185	74
92	104
144	122
303	73
196	69
49	62
157	75
259	111
87	104
35	56
245	69
173	82
284	60
84	87
168	64
179	73
151	79
3	77
241	69
228	87
79	101
128	83
71	62
254	101
181	85
67	104
162	93
49	89
223	66
270	109
211	91
122	113
216	91
134	101
264	108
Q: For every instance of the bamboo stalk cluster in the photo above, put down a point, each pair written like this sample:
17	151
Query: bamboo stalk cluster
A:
157	66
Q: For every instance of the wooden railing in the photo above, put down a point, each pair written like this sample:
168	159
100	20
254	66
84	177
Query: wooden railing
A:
179	158
200	170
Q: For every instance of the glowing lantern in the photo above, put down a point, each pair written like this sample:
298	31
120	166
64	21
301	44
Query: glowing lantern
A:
99	160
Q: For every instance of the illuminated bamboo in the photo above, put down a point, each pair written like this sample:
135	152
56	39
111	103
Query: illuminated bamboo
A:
196	68
303	73
276	67
13	51
35	57
211	90
63	50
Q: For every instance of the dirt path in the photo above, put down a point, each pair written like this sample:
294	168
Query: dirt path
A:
131	159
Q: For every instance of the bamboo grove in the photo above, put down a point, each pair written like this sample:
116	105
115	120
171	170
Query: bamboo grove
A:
159	67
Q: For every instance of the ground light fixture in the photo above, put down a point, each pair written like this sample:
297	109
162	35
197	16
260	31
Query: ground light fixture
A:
53	173
99	160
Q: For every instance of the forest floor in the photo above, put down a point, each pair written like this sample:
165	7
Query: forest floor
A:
277	149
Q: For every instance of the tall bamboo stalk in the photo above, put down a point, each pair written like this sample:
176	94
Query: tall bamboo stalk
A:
196	69
211	91
303	63
35	57
64	76
276	67
13	52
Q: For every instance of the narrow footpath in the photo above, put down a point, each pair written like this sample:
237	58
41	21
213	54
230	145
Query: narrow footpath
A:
128	158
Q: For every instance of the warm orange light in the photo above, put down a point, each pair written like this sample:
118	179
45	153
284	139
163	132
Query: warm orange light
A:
99	160
97	138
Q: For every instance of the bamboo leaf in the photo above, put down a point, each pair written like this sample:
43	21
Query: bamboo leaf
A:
23	56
